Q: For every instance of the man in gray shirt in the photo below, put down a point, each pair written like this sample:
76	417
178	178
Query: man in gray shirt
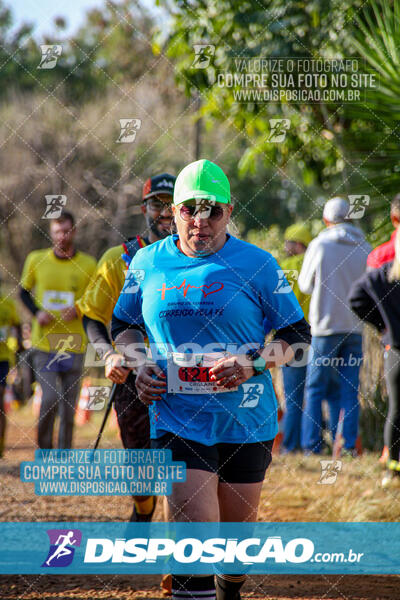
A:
333	261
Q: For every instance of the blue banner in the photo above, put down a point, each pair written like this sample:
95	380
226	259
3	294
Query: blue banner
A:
190	548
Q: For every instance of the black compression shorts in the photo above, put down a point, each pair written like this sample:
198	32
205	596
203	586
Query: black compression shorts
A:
4	368
234	463
132	415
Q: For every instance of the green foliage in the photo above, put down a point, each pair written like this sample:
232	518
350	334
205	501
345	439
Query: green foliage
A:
329	149
374	124
310	162
269	239
111	48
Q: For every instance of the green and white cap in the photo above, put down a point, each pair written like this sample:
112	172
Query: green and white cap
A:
203	180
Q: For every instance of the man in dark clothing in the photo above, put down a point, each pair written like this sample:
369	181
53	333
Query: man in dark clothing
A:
96	308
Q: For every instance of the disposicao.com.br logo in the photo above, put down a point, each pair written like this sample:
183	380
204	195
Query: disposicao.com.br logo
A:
189	548
172	547
193	550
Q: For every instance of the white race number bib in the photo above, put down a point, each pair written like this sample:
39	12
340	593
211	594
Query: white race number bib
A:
192	375
55	300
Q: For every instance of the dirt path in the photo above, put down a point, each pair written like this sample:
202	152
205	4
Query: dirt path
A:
121	587
20	504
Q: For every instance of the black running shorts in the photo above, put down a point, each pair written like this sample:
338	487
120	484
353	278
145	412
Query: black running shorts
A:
234	463
132	415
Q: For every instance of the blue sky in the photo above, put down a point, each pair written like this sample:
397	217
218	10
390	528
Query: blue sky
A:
42	12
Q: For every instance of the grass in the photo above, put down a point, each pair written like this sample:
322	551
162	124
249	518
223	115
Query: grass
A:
291	491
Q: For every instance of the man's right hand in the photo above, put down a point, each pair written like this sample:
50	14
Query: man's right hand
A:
115	371
44	318
148	387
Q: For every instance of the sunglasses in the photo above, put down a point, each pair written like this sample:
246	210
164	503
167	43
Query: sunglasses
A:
206	210
158	205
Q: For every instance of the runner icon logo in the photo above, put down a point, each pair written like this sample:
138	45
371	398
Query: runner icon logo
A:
358	204
97	397
54	205
133	279
62	547
129	129
61	358
252	393
279	128
329	471
203	54
50	55
286	280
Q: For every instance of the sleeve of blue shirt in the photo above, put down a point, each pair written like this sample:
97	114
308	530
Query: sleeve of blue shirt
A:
129	304
280	306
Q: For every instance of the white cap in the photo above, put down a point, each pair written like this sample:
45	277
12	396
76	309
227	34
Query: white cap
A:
336	210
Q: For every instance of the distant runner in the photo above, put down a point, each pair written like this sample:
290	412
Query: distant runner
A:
52	281
385	252
96	307
9	324
375	298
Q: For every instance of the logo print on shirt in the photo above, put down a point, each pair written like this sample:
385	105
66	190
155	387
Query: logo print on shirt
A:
207	289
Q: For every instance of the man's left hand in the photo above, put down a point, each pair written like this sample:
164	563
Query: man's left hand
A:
231	371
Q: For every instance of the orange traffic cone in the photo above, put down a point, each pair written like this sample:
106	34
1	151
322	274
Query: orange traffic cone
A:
114	421
166	585
82	414
384	456
8	398
36	399
359	446
276	448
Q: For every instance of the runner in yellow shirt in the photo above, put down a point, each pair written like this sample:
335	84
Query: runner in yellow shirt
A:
52	281
96	308
9	325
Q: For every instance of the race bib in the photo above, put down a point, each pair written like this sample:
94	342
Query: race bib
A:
3	333
55	300
191	375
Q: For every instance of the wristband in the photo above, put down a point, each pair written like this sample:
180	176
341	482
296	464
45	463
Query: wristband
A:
258	362
108	353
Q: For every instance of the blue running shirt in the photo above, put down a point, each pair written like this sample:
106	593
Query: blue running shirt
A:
226	300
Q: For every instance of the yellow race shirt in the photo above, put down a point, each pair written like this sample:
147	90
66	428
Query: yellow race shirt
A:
8	319
294	263
57	283
101	296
